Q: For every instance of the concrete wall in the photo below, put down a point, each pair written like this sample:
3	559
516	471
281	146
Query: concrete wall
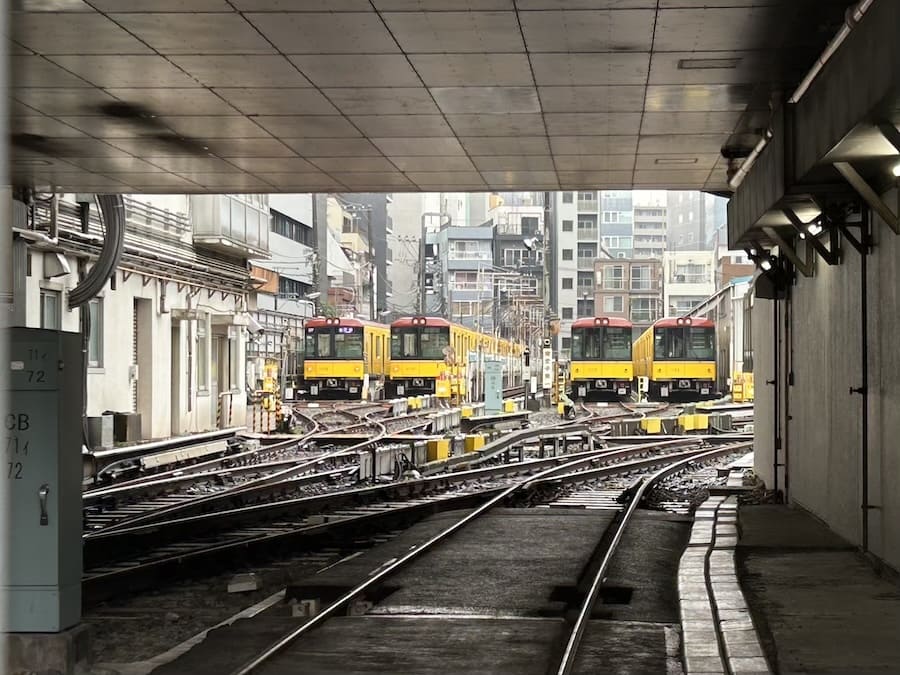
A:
823	436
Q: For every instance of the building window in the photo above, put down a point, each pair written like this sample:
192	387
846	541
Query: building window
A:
51	312
643	310
95	339
286	226
640	278
614	277
586	307
567	283
469	281
567	226
202	354
567	313
691	273
613	303
470	250
587	196
567	254
567	197
529	226
292	287
567	343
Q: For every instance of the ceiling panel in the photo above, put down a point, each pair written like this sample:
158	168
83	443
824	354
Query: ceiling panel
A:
206	33
592	178
689	122
592	124
681	144
505	145
433	163
441	5
354	70
464	70
444	177
332	147
520	177
215	127
325	32
590	69
117	165
248	147
278	101
514	163
626	98
487	100
594	145
307	126
354	94
62	101
36	71
108	127
594	162
173	101
43	126
698	97
455	32
259	165
383	101
361	164
588	31
383	126
241	70
418	147
75	33
524	124
126	70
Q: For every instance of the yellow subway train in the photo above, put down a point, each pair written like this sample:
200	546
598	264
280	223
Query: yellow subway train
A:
601	368
344	358
430	355
678	359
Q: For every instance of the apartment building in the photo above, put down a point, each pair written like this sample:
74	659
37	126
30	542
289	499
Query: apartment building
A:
650	219
630	288
688	280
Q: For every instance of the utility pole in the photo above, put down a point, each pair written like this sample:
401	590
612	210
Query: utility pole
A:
373	273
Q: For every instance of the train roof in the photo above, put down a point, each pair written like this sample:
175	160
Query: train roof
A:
677	322
591	322
350	322
407	322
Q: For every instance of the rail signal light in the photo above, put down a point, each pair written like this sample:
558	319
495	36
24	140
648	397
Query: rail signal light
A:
429	282
546	343
527	356
431	252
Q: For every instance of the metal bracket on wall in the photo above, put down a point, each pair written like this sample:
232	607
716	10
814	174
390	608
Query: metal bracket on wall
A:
832	256
805	268
876	203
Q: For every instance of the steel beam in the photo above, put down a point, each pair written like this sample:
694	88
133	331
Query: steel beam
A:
805	268
832	257
876	203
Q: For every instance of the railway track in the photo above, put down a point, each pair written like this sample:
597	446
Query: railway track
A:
524	489
157	545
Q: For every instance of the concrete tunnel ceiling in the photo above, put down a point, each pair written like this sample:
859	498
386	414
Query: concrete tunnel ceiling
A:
399	95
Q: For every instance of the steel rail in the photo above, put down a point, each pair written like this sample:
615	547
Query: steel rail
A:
567	662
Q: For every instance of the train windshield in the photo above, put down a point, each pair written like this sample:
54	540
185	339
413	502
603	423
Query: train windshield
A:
685	343
341	342
610	343
427	342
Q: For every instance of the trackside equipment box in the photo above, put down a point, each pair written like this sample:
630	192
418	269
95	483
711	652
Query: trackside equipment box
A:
42	477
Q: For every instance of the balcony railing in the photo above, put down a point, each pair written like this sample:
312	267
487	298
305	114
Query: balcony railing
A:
586	262
470	255
643	316
643	285
614	284
588	233
703	278
587	204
